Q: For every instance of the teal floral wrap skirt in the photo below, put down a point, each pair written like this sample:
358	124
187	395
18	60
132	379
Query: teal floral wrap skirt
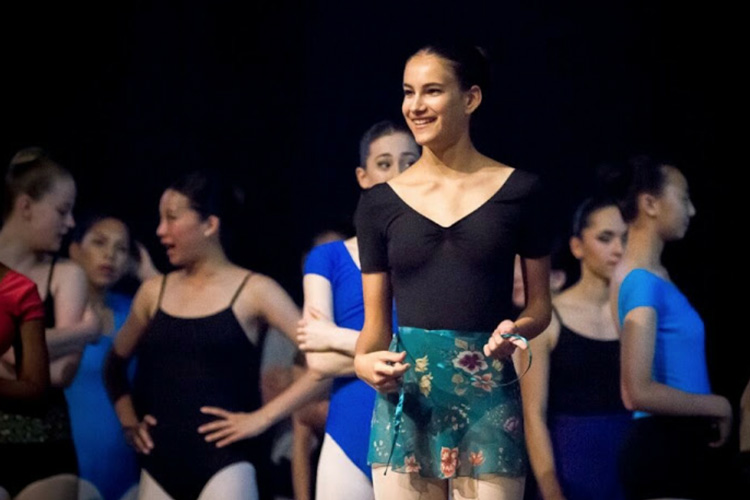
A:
458	413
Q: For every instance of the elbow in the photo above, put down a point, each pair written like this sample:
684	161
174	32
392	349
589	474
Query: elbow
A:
317	367
627	401
632	398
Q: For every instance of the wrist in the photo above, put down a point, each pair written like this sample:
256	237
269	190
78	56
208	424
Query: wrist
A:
724	408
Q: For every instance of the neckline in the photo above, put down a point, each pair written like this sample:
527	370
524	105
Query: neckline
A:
577	333
349	254
460	219
205	316
648	271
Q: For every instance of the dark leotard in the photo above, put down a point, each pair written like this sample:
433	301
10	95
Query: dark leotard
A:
457	414
458	277
184	364
585	415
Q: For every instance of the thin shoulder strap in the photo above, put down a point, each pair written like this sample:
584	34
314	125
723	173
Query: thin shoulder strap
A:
49	277
557	315
161	290
242	285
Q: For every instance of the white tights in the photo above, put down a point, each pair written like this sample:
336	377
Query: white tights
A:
338	478
236	481
414	487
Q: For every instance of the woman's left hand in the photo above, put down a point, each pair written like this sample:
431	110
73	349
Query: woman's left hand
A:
232	426
500	348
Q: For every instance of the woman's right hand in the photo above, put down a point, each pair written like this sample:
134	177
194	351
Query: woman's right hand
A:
381	369
138	435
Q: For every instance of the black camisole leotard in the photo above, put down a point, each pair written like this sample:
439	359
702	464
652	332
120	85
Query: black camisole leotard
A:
184	364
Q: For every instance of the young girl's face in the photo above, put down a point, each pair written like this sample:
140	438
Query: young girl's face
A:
103	252
51	216
388	156
602	241
434	106
181	229
674	206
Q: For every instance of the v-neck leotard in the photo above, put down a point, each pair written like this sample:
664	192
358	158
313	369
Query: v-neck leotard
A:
458	413
458	277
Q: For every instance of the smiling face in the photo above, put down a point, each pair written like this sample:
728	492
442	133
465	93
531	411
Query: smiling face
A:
601	243
51	216
435	107
181	229
388	155
103	252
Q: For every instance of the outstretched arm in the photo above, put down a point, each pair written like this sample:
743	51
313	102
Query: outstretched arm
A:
230	427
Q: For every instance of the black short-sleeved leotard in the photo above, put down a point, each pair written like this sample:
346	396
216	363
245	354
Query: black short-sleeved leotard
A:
458	277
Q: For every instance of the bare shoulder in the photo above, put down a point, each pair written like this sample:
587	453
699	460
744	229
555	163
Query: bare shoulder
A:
260	287
66	270
491	173
147	296
492	165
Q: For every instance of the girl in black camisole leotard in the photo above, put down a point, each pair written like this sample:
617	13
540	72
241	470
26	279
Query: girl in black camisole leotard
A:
195	411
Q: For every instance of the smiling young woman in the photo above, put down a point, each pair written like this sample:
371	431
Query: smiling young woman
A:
443	236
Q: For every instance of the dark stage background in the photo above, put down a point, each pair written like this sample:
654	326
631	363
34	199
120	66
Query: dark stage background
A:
276	94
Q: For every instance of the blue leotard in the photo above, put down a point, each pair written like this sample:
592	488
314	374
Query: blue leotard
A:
350	410
679	353
104	458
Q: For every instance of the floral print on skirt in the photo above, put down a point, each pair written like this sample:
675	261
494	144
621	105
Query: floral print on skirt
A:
461	413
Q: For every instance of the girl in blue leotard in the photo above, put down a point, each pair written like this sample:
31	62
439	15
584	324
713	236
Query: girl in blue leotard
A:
101	246
670	451
333	316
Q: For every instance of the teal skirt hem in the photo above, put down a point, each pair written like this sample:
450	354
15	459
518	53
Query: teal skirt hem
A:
458	413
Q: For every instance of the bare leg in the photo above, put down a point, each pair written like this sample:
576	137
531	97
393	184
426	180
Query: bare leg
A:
338	477
396	485
58	487
149	489
489	486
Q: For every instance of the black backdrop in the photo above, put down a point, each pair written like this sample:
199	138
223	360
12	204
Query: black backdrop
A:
276	94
